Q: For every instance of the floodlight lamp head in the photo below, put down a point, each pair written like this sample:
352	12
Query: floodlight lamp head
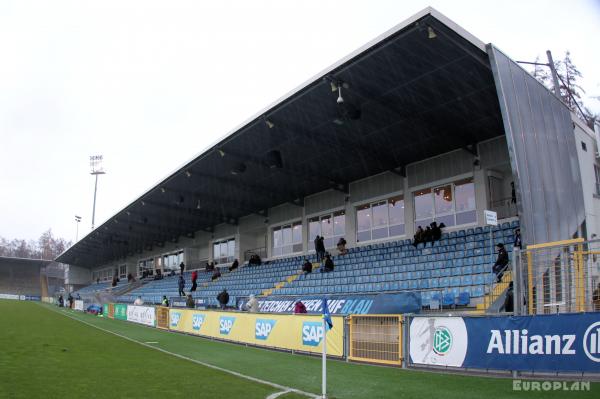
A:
340	99
431	33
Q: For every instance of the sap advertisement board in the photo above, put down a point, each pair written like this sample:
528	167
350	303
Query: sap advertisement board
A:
293	332
567	343
141	314
406	302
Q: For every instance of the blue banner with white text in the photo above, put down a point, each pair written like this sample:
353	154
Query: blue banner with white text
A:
568	342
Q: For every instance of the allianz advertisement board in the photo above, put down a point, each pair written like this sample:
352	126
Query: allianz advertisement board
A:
567	343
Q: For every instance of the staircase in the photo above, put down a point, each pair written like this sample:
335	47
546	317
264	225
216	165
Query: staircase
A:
288	280
494	299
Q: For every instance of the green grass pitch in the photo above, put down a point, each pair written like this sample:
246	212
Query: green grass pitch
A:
44	354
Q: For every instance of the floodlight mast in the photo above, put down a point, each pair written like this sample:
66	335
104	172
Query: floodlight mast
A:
96	166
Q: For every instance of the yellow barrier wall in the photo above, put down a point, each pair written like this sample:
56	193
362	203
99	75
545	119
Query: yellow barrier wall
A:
293	332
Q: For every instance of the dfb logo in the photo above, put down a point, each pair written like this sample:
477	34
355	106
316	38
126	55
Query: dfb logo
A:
263	328
312	333
226	324
197	321
175	317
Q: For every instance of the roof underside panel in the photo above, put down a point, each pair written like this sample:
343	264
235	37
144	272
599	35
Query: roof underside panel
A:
406	98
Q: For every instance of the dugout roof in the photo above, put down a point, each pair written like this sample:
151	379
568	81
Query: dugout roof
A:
421	89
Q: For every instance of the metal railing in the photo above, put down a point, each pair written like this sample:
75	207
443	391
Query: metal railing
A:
505	208
561	276
376	338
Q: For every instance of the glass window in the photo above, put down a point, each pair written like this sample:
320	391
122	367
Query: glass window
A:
363	218
380	219
423	205
287	239
339	223
223	252
314	228
465	196
443	199
380	214
453	204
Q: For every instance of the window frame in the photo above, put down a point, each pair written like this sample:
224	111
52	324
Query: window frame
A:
388	226
454	212
295	246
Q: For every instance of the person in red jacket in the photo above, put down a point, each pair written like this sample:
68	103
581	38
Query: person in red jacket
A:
194	278
299	307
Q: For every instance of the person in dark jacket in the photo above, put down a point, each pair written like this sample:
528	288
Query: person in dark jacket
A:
328	267
501	262
182	267
210	266
234	265
317	242
341	246
508	305
307	266
322	247
194	278
61	302
181	284
518	243
223	298
189	302
216	274
418	237
70	300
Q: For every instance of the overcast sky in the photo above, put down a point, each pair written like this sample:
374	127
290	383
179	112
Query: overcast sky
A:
151	84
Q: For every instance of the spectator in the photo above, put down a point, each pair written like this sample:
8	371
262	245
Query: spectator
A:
317	243
299	307
322	247
252	304
223	298
513	194
596	298
165	301
427	236
115	281
98	280
194	278
172	273
70	299
61	301
436	231
138	301
254	260
328	264
216	274
418	237
234	265
518	243
182	267
189	302
130	278
508	305
78	297
158	275
307	266
341	246
181	285
501	262
210	266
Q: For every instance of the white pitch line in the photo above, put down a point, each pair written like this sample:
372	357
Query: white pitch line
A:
235	373
277	394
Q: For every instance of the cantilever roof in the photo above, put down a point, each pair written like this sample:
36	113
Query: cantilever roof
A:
421	89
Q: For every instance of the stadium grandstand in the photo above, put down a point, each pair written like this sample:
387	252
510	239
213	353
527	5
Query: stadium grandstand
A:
25	278
424	124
